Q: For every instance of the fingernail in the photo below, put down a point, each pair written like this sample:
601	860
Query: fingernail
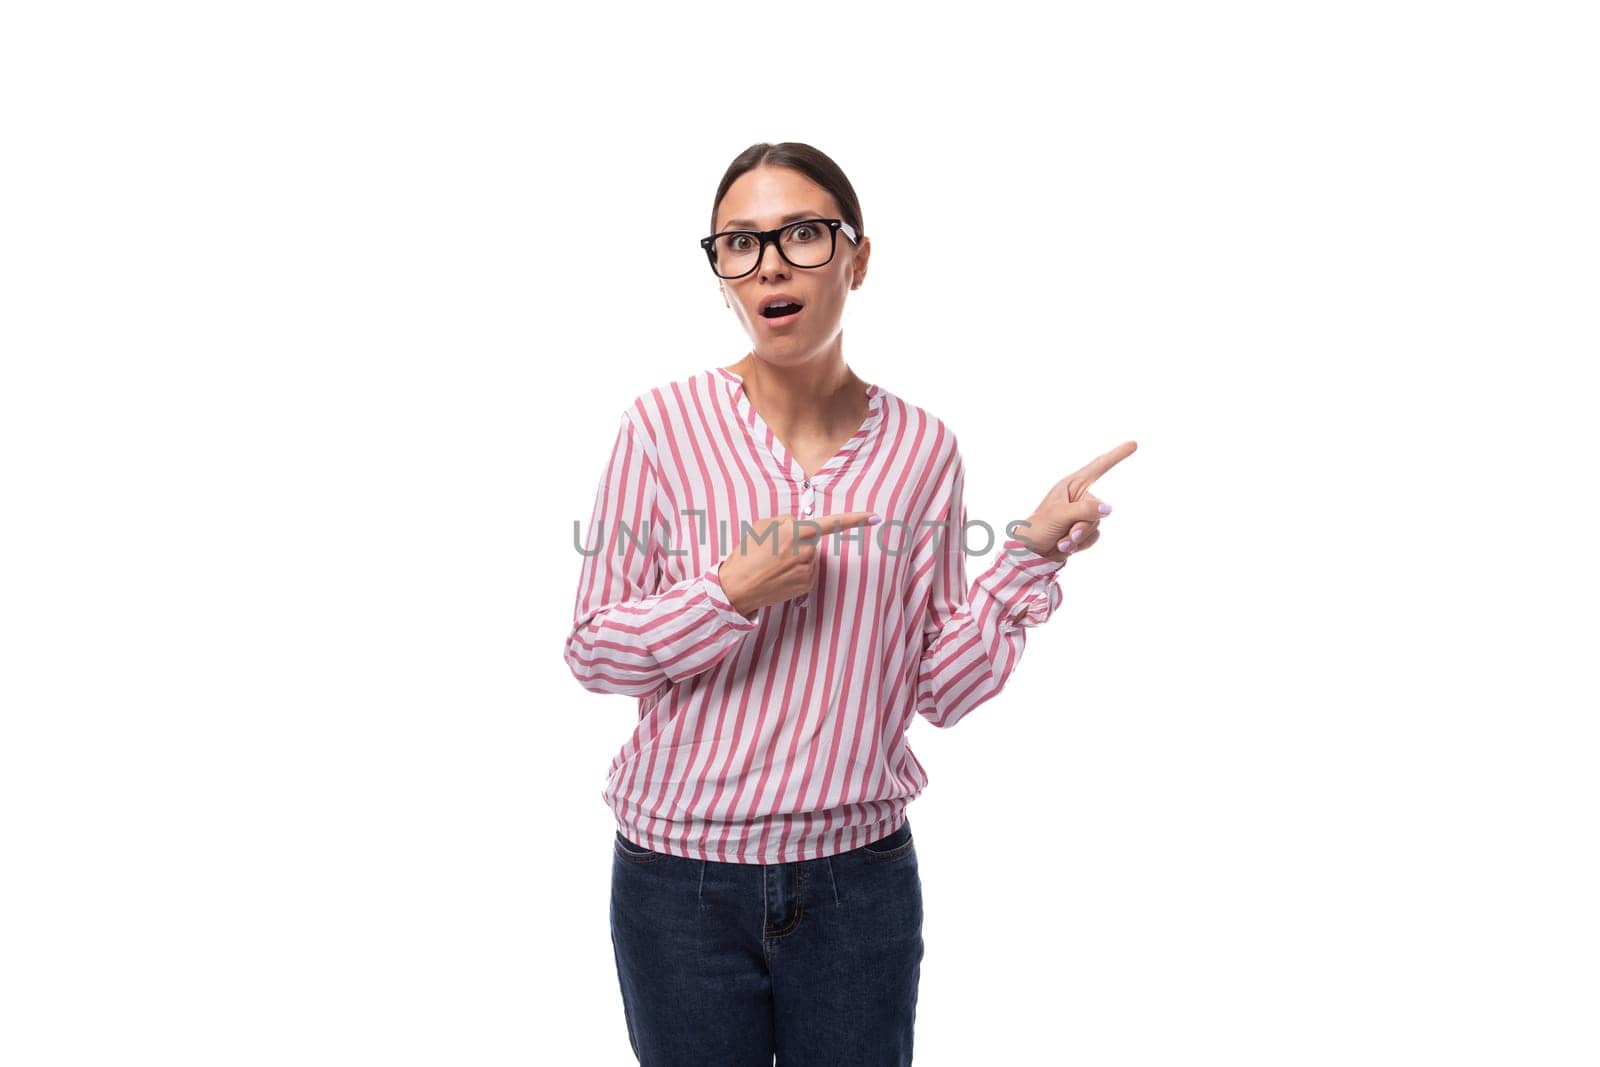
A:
1105	509
874	520
1077	535
1064	545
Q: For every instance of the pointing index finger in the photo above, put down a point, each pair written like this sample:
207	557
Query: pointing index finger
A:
844	520
1106	460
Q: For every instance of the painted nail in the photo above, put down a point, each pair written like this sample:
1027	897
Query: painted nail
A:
874	520
1065	545
1105	509
1077	535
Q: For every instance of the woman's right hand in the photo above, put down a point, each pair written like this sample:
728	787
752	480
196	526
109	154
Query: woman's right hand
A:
777	559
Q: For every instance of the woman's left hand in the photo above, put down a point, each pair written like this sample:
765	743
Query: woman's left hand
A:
1057	527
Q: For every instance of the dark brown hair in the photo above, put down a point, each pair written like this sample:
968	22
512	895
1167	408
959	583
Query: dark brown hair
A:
811	162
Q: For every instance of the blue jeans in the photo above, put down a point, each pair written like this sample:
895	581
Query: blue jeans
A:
727	964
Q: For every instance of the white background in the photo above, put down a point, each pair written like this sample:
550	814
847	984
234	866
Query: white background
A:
317	322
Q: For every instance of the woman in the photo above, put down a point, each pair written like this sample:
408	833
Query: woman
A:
776	571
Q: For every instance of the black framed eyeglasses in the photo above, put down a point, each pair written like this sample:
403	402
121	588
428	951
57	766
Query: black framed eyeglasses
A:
808	244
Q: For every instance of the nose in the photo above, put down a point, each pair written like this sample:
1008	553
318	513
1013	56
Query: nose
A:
770	254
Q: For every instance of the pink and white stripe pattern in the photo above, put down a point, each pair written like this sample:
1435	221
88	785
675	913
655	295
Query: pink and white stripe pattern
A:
781	735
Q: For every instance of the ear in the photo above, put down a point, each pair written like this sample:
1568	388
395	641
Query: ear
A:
863	254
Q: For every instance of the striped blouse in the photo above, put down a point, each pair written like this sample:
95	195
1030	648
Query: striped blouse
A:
781	735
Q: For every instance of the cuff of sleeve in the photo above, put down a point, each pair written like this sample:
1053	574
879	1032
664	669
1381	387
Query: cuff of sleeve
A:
716	599
1024	584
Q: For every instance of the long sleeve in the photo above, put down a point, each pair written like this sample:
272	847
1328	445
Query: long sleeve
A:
628	634
972	645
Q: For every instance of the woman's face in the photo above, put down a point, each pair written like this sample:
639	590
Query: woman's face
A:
765	198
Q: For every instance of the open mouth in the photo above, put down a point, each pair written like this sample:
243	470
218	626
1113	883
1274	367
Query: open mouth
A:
781	311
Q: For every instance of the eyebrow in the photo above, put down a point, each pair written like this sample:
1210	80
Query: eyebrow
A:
748	224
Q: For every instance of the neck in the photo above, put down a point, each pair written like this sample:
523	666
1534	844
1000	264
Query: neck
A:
821	393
